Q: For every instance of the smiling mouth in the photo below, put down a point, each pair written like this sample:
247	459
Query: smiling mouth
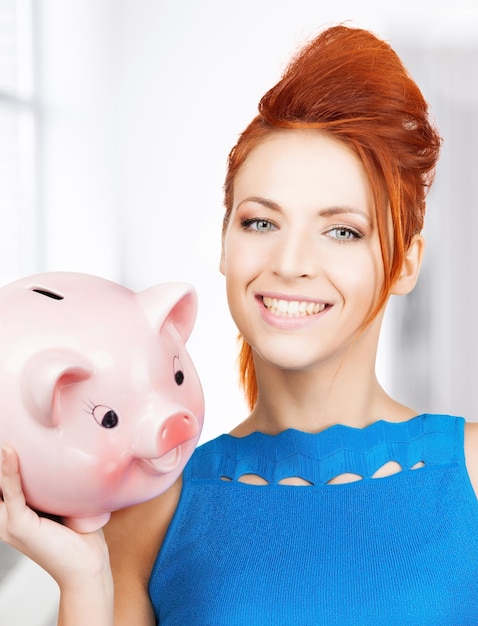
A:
292	308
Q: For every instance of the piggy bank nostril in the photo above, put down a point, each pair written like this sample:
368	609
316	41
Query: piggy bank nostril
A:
177	429
174	428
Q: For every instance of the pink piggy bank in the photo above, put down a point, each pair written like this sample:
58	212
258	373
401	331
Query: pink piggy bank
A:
98	396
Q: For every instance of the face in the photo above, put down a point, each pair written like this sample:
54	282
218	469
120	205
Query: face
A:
301	252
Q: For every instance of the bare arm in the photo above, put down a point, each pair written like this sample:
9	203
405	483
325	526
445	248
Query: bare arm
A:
134	537
471	453
88	602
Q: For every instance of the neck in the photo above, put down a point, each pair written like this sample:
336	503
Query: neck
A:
345	392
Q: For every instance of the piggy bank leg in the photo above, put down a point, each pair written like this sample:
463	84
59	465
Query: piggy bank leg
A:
87	524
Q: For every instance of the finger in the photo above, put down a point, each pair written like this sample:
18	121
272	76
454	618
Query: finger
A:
15	511
11	481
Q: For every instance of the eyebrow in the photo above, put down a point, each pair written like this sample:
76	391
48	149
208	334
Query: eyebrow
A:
326	212
341	210
259	200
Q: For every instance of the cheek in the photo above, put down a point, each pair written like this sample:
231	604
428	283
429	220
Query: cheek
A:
371	285
242	262
361	275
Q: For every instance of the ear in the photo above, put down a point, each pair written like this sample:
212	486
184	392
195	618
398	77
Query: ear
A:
43	377
410	268
170	303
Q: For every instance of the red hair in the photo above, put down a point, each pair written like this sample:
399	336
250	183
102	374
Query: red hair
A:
352	85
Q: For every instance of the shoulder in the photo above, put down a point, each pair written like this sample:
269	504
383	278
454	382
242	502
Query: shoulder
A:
471	452
134	536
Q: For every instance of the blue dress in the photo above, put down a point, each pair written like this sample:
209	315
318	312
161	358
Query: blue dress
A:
395	551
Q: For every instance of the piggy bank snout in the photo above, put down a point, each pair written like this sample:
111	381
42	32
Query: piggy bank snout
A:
176	430
159	447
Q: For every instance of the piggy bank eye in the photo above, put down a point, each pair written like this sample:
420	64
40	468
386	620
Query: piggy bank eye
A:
105	416
178	371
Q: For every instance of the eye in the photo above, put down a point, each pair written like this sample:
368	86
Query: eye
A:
178	371
344	233
258	225
106	417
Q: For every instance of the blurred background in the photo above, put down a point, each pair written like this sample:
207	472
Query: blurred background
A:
116	118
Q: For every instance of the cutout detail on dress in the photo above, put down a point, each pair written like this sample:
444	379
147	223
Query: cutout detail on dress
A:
387	469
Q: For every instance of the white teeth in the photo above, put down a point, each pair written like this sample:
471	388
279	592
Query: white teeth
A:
292	308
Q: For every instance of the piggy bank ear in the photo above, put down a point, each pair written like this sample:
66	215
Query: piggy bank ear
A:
170	303
44	376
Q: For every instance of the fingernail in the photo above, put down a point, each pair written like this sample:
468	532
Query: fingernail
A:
6	451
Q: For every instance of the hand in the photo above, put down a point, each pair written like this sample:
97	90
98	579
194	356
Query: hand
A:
68	556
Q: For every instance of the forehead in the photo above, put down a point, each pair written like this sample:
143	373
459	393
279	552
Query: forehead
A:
306	167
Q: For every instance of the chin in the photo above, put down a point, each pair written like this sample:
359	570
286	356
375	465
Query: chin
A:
284	360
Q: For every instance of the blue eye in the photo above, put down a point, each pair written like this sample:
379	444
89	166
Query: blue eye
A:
258	225
344	233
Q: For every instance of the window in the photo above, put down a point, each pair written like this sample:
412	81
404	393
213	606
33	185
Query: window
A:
18	122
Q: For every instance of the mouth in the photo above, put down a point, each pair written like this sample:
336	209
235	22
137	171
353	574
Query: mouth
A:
166	463
292	308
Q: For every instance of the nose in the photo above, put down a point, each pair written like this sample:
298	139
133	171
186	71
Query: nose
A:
176	430
295	255
155	439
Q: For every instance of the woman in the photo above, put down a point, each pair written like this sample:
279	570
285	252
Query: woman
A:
332	503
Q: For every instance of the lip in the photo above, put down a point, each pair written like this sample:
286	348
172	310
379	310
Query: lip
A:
166	463
289	322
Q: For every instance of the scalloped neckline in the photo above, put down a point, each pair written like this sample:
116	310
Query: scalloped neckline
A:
331	428
425	441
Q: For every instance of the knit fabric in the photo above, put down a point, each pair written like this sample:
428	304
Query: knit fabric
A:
398	550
